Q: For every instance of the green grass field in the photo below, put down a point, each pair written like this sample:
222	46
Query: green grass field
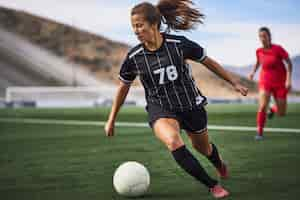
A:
39	161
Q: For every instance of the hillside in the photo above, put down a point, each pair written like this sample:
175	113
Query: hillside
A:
96	53
100	55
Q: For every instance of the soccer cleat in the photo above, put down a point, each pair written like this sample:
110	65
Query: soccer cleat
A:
223	171
218	192
259	137
270	114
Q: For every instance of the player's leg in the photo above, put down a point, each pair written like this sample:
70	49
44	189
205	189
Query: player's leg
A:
167	130
264	98
195	124
280	106
201	143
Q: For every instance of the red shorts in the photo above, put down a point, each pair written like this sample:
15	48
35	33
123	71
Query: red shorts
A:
279	91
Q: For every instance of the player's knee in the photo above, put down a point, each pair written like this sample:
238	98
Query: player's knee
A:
173	143
197	147
262	108
204	151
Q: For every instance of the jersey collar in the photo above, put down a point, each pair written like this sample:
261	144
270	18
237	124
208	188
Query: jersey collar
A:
161	46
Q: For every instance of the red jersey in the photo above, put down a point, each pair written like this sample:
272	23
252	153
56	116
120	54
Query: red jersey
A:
273	72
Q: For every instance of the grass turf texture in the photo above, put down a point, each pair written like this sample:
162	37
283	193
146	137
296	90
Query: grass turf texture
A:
77	162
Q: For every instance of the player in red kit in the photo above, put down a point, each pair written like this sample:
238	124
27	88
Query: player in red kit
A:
274	79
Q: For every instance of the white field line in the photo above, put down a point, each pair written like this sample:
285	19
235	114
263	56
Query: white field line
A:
132	124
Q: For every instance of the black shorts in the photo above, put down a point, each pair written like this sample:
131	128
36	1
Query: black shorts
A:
192	120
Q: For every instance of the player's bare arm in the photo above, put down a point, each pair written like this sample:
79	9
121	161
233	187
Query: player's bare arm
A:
120	97
221	72
288	83
255	68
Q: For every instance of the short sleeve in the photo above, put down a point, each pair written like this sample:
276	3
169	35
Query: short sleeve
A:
192	50
283	53
257	55
128	71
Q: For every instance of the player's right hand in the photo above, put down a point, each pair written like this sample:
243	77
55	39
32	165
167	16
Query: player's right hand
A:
241	89
109	129
251	76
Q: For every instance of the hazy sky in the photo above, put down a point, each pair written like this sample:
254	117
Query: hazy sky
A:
229	33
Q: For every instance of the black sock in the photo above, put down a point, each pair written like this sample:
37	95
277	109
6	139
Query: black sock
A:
214	158
191	165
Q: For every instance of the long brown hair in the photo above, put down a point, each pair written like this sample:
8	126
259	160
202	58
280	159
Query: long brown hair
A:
176	14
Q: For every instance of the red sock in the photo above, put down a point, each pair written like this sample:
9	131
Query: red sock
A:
260	121
274	109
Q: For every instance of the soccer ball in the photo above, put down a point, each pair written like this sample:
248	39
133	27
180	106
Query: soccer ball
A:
131	179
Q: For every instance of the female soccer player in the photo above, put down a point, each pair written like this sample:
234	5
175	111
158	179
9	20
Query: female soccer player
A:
274	79
173	100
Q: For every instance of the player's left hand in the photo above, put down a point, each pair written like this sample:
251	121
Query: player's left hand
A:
288	85
241	89
109	128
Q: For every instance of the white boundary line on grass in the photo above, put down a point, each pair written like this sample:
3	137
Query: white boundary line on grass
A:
132	124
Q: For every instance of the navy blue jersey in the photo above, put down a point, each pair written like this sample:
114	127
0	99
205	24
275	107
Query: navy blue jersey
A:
165	74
